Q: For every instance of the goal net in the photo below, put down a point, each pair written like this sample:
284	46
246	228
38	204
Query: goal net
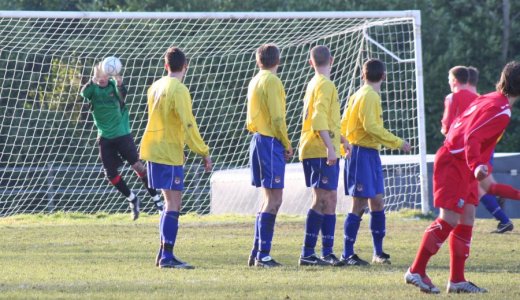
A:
48	150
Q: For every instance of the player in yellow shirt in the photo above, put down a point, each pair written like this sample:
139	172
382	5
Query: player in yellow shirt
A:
270	147
362	125
319	151
171	124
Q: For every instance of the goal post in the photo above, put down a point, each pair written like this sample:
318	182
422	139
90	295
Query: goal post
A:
48	151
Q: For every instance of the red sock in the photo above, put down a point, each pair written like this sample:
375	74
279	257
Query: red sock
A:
505	191
115	180
433	238
140	175
460	240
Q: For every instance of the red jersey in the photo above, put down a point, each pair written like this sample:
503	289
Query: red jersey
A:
475	133
454	105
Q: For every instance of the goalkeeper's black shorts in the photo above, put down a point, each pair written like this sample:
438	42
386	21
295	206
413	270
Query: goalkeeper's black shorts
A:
113	151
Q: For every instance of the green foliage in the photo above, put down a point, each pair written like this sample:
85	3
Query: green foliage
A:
62	80
457	32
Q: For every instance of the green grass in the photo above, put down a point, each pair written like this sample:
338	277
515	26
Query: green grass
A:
107	256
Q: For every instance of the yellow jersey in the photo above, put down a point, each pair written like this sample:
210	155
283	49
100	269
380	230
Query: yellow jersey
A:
321	111
266	107
362	122
171	124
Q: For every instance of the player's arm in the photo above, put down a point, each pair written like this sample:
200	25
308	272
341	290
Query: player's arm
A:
331	152
473	140
320	119
191	131
87	91
344	123
347	147
448	115
275	105
370	110
121	88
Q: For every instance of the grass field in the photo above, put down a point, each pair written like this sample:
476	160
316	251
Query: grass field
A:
108	256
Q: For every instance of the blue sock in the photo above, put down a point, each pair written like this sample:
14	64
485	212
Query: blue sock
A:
327	234
254	251
378	228
161	220
491	204
312	230
169	228
266	232
351	229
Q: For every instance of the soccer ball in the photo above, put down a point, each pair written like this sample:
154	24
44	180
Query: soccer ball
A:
111	66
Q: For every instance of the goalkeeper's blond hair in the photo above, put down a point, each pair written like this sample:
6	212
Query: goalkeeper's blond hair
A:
98	71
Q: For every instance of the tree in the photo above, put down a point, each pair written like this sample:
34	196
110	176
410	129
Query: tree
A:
481	33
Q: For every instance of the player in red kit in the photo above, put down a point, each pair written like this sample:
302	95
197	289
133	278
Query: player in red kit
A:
460	98
459	164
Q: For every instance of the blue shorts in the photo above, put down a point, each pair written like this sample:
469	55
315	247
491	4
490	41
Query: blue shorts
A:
267	161
363	174
320	175
165	177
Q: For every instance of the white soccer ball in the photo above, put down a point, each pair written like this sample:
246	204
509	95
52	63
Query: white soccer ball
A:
111	66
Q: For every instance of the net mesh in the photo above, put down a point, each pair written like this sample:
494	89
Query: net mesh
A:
48	149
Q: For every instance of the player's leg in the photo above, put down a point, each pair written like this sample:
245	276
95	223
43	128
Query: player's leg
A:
268	170
446	179
490	186
323	179
140	170
328	226
321	216
254	250
111	162
351	228
490	202
256	180
170	179
460	243
169	229
433	239
377	211
266	221
128	150
359	183
313	224
378	229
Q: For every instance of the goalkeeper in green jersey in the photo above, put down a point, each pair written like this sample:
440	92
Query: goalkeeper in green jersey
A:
106	97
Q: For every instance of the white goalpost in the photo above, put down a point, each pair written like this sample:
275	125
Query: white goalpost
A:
48	150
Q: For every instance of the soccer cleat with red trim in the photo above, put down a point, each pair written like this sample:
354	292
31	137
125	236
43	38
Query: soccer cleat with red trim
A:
423	283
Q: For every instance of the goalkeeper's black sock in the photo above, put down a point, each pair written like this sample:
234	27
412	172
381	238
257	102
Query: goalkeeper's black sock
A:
121	186
144	180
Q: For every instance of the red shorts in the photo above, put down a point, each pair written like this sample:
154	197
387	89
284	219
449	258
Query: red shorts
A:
454	185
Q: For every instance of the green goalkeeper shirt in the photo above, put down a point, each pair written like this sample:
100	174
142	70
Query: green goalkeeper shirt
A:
108	109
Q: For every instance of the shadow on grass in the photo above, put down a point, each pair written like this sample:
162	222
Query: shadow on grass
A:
414	214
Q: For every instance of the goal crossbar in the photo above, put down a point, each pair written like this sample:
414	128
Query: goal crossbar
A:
211	15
